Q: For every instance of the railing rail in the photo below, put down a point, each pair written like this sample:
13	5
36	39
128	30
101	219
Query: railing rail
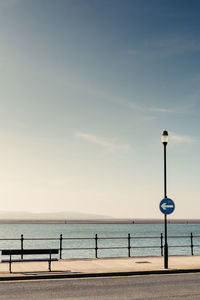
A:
130	245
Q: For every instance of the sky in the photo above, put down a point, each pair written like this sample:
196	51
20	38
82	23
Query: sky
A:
86	88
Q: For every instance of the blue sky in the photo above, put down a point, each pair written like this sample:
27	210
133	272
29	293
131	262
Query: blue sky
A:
86	89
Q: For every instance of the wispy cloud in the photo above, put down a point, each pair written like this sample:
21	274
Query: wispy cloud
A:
147	108
89	88
109	144
177	45
163	110
173	45
181	139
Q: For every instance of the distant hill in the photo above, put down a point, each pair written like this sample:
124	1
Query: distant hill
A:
24	215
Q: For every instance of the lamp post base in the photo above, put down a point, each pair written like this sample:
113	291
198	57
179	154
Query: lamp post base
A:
166	256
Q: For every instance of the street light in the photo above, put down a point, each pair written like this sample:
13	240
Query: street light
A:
165	141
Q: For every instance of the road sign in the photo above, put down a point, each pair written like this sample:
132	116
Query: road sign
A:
167	206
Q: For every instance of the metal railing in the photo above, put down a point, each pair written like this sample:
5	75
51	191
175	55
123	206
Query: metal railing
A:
130	243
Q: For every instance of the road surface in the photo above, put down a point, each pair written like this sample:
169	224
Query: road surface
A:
179	286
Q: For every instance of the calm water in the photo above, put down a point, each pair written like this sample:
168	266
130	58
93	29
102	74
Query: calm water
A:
104	231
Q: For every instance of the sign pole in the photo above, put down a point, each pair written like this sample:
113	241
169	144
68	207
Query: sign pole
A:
167	205
165	196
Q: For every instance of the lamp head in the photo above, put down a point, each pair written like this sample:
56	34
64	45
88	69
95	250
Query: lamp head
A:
164	137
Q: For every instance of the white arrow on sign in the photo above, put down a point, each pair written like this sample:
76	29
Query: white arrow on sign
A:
165	206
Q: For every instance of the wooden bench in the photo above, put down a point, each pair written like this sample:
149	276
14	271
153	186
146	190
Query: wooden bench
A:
22	252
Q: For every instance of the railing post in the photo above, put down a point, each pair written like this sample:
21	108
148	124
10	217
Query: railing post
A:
50	261
129	245
191	241
61	238
10	262
96	246
161	244
22	244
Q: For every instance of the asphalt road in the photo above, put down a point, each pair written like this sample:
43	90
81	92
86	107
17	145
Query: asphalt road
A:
180	286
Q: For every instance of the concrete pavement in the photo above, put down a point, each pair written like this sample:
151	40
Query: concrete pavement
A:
76	268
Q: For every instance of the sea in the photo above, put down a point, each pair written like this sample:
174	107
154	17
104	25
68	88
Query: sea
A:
79	239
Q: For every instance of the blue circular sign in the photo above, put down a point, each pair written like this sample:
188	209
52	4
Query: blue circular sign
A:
167	206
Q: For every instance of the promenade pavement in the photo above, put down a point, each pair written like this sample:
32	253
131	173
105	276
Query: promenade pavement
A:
70	268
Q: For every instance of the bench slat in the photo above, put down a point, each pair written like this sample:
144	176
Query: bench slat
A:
29	251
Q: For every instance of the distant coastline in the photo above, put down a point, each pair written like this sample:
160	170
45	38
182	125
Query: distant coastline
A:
97	221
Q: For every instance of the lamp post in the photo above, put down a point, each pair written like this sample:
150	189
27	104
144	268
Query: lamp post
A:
165	141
